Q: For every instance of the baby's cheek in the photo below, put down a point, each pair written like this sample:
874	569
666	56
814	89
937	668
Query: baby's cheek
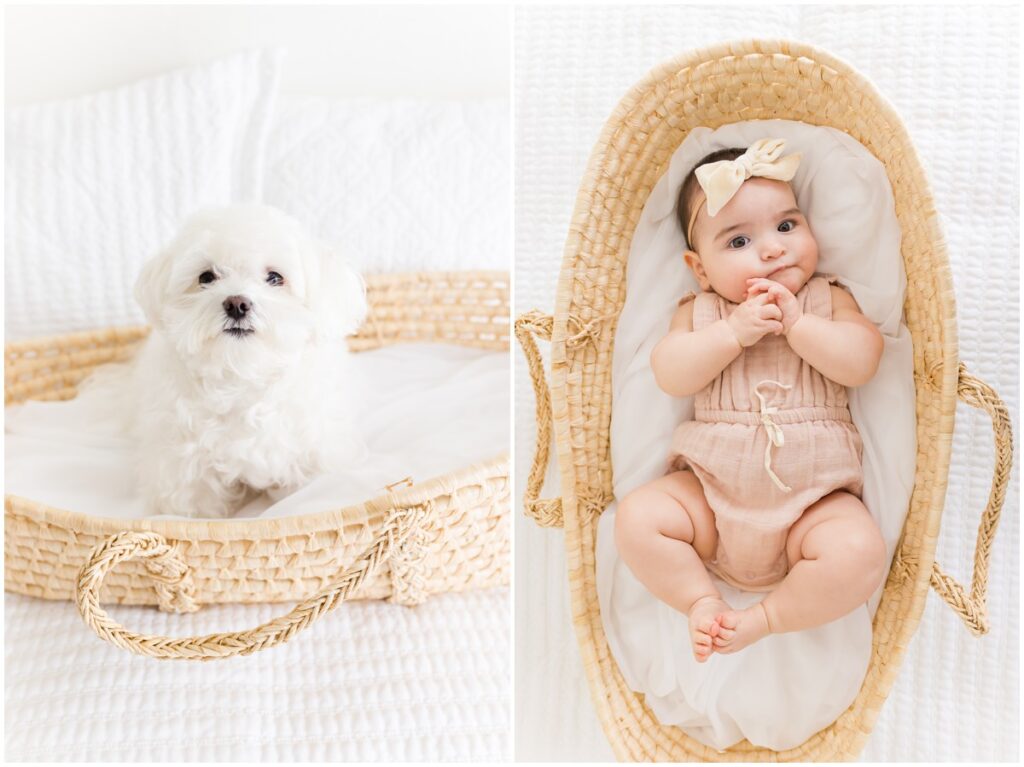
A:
735	290
730	282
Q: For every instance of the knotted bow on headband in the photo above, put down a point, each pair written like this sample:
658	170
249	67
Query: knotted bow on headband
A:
721	180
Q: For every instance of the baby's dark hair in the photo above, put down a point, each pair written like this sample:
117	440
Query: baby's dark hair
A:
688	191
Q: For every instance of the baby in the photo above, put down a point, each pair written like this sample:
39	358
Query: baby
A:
764	484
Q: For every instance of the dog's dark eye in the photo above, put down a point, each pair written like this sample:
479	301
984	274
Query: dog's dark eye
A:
207	277
274	278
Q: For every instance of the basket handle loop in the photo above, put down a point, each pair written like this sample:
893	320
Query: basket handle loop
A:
545	512
176	592
973	609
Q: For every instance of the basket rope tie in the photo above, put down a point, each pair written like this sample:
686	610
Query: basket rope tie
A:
904	564
586	331
547	512
172	578
408	581
408	584
171	572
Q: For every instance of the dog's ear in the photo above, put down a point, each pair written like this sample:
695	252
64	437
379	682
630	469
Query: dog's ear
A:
152	286
337	294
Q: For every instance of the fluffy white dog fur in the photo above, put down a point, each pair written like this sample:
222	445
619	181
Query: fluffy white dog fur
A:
242	387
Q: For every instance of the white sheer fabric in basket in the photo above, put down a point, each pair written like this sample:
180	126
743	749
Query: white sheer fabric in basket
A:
424	410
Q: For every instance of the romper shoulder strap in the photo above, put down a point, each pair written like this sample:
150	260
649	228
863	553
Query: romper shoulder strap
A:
687	297
705	308
818	297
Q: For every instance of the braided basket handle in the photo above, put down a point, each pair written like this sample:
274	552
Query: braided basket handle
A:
545	512
972	608
176	592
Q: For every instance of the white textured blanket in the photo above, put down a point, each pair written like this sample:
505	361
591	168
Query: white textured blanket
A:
369	682
952	74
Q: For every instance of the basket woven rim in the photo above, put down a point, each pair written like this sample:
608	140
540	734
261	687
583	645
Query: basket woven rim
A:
378	280
226	530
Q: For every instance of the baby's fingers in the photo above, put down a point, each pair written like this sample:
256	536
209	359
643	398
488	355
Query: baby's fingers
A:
758	298
780	295
758	287
770	312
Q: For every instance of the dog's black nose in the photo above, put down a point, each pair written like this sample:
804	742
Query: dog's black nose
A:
236	306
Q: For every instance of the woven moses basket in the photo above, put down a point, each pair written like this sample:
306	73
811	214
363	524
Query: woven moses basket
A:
447	534
755	80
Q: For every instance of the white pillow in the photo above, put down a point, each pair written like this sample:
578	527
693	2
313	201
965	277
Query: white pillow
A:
97	184
398	185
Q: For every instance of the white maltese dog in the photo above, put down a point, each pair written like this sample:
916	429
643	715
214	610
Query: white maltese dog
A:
242	387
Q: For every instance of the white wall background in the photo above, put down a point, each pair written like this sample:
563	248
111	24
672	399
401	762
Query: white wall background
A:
952	74
381	52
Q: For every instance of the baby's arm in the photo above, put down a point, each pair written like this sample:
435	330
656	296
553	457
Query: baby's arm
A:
846	349
687	360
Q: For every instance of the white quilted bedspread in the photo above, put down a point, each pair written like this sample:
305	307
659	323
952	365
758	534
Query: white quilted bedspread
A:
952	74
369	682
401	186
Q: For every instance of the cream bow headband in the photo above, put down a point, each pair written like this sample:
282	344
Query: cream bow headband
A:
721	180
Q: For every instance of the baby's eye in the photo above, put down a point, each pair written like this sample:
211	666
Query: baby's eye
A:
787	226
207	277
273	278
739	242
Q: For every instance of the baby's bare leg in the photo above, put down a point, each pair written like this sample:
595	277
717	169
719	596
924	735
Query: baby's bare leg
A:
663	531
836	561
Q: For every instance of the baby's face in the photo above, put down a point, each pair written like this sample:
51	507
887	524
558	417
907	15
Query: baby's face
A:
759	233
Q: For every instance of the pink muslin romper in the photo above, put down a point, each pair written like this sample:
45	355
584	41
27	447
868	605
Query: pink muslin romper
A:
725	446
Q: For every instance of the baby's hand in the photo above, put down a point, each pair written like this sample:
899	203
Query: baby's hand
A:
755	318
780	296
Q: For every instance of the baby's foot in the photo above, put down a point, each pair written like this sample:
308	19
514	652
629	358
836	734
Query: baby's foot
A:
739	628
704	625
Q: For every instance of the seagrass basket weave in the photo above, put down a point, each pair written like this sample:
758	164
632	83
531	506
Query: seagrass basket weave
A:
753	80
449	533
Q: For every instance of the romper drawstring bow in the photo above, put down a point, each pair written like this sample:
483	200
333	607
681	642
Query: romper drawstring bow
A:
774	432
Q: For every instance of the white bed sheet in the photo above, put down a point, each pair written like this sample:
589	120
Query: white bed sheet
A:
369	682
